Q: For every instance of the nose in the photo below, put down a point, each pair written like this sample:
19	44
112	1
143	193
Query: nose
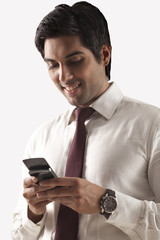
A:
65	74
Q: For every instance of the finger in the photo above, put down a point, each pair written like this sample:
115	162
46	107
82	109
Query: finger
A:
43	203
29	181
59	182
29	192
59	192
43	188
70	202
36	201
63	200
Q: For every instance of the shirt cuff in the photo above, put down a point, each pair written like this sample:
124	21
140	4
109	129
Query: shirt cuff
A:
127	213
28	225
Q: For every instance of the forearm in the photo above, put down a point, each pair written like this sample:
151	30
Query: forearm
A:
34	217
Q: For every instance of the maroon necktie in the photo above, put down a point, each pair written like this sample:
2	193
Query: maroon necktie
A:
67	222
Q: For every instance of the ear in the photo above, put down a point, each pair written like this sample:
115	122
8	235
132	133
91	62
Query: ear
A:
105	54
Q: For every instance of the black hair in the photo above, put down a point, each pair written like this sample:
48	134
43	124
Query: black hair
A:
82	19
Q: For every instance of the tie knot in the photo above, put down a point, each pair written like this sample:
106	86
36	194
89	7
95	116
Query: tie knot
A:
82	114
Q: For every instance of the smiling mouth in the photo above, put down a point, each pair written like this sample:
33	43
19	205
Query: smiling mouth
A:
71	88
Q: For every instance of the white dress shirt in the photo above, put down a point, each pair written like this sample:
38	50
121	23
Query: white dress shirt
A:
122	153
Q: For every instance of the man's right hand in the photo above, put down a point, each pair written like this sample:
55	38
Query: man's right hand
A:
36	206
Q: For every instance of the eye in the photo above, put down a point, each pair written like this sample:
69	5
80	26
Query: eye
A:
52	65
75	60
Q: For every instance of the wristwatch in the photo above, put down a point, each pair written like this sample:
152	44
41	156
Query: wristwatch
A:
108	203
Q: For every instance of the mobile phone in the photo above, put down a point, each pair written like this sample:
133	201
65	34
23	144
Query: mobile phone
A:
39	168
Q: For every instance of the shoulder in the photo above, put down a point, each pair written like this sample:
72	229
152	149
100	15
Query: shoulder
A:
142	117
51	127
139	108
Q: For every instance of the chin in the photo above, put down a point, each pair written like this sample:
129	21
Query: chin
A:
77	102
73	102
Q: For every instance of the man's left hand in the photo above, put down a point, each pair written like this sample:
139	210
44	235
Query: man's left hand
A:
79	194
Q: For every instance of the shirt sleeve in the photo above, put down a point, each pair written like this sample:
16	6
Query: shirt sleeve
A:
22	227
140	219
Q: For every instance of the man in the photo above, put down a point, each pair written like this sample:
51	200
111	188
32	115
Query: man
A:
118	195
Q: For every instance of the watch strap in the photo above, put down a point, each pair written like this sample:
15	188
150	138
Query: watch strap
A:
105	214
111	193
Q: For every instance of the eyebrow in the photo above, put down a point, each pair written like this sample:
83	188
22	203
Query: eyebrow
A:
73	54
66	57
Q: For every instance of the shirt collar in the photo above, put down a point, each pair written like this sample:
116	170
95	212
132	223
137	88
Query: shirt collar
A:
106	104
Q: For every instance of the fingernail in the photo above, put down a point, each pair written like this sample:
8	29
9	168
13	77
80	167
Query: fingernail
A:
34	179
41	194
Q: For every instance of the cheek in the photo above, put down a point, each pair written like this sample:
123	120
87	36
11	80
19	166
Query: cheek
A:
89	71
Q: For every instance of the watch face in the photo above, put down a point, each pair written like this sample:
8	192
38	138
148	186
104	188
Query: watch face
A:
109	204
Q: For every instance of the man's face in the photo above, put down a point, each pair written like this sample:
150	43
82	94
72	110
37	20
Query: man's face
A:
74	69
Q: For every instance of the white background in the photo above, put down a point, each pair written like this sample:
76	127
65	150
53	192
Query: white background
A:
27	95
